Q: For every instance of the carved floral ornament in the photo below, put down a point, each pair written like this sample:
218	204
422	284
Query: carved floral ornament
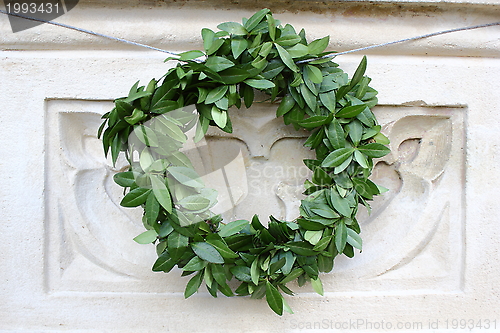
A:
160	128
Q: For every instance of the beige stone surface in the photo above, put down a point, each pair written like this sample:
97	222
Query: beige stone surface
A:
67	259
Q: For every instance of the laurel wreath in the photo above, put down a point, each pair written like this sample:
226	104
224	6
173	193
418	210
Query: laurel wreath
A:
260	54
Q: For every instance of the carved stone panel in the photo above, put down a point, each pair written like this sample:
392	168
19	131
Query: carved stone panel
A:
413	238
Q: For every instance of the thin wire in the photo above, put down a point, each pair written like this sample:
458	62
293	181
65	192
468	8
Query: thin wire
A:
401	41
298	62
88	32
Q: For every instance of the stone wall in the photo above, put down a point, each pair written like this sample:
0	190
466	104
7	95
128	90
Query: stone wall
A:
431	244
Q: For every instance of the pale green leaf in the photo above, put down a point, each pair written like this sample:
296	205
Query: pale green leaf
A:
354	239
233	228
317	285
161	192
259	84
146	237
186	176
219	117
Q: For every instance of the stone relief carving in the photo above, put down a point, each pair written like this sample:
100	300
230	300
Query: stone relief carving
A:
413	239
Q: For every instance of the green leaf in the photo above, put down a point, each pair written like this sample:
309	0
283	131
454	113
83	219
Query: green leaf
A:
216	94
265	49
136	197
186	176
238	46
233	228
286	58
124	179
292	276
271	24
320	177
273	68
167	126
367	117
223	249
146	237
136	116
195	264
288	40
275	266
309	97
354	239
374	150
161	192
234	28
218	273
146	135
325	264
152	209
208	38
259	84
365	188
360	71
336	157
325	211
218	64
207	252
314	74
355	131
322	244
319	45
287	307
314	121
361	159
242	273
255	271
164	106
286	105
274	298
301	248
216	44
256	18
164	263
313	237
335	134
340	236
177	241
219	117
317	286
343	166
190	55
194	202
382	139
328	101
350	111
193	285
340	204
298	51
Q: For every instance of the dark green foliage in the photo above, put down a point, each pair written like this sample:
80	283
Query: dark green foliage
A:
259	54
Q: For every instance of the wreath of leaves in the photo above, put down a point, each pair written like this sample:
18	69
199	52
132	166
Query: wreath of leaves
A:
317	96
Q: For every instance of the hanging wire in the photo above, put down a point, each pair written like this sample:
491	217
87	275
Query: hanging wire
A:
298	62
402	41
88	32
